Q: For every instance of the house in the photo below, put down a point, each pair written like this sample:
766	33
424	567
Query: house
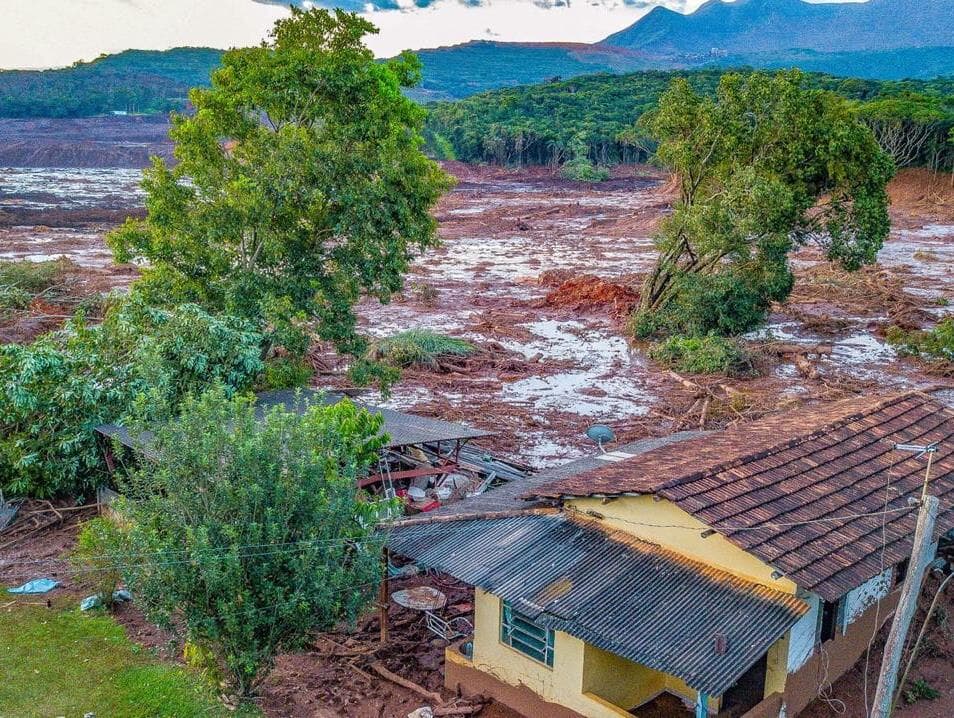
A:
728	573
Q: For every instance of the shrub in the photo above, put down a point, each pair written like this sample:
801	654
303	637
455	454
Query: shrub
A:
709	354
920	689
54	392
269	536
418	347
285	373
935	345
97	555
32	277
582	170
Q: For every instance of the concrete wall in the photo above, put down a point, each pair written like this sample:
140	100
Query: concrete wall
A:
664	523
836	656
858	600
801	643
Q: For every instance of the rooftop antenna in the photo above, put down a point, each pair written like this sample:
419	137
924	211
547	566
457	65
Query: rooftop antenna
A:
601	434
921	450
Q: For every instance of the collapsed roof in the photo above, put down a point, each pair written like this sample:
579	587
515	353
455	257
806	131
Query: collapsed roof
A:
403	429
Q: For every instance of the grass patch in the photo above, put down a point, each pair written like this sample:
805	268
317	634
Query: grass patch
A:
21	281
935	346
418	347
67	664
285	373
710	354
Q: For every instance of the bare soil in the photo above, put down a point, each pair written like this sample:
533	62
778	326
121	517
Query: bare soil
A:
539	272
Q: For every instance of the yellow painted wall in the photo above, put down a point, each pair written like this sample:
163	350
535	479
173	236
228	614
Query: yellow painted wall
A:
583	678
776	666
621	682
632	514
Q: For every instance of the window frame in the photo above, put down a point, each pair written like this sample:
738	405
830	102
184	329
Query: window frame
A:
533	641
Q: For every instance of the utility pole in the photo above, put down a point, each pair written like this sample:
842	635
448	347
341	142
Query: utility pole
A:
920	558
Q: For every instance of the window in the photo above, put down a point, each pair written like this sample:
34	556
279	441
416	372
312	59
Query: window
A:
522	634
830	620
901	572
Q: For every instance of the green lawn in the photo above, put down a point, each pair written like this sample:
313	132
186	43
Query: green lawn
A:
66	663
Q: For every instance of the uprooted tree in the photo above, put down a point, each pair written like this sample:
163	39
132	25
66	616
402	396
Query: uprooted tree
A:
299	186
248	532
765	166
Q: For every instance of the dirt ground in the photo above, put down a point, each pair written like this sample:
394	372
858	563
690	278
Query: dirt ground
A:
540	273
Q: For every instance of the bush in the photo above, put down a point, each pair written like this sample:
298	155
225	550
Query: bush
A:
920	689
97	555
32	277
418	347
582	170
935	345
54	392
709	354
269	536
285	373
728	303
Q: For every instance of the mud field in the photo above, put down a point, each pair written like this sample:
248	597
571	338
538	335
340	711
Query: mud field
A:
540	274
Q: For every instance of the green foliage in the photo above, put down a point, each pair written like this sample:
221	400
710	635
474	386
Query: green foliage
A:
753	165
21	281
58	389
935	345
96	547
67	663
418	347
536	124
920	689
299	187
709	354
137	81
285	372
269	538
580	168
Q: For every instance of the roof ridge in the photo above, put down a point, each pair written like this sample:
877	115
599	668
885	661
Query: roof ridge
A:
761	453
715	573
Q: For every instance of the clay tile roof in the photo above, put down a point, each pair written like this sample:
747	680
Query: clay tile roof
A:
759	484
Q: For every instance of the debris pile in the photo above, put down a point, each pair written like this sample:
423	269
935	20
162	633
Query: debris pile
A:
586	292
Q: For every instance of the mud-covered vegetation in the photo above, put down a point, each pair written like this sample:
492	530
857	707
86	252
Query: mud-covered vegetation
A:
418	348
934	346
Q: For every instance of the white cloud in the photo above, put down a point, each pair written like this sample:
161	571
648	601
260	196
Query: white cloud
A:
52	33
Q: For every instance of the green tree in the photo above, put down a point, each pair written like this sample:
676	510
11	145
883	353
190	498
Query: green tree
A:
905	124
248	529
764	166
299	186
58	389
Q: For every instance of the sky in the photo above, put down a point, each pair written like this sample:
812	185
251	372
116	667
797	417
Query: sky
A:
56	33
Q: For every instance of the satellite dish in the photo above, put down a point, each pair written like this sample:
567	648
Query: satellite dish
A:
601	434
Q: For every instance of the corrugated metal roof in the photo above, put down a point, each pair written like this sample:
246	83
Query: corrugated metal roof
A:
629	597
404	429
793	476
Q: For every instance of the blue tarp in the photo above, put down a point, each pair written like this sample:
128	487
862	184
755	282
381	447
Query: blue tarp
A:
37	585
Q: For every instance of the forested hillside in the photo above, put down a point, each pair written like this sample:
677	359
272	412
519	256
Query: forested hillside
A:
133	81
550	123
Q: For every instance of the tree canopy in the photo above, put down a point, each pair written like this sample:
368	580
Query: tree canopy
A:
250	529
300	185
764	166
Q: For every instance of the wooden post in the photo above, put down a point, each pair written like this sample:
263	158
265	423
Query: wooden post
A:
920	558
384	595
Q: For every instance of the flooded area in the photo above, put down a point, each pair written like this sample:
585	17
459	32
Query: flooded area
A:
511	239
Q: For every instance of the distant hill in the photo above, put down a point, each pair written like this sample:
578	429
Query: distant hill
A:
772	26
135	81
463	70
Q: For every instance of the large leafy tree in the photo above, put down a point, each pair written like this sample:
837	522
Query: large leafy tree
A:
763	167
299	186
249	530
